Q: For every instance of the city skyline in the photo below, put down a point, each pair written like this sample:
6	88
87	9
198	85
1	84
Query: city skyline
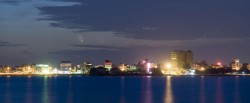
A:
49	31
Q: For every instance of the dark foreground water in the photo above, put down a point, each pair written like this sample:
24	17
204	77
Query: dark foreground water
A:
82	89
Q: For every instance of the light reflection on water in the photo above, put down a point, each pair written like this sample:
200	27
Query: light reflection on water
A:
169	96
7	98
236	90
123	99
219	92
202	91
45	92
147	96
170	89
70	92
29	91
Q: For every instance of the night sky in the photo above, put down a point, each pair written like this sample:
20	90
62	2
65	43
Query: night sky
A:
49	31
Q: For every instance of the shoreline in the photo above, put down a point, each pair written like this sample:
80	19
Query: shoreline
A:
18	75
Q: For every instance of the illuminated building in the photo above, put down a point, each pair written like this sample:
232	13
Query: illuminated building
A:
107	64
43	69
73	69
5	69
78	69
248	67
182	59
123	67
167	69
85	67
132	67
1	69
26	69
200	66
217	65
235	64
66	67
145	66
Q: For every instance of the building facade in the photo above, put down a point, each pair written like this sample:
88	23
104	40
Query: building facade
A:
43	69
85	67
145	66
107	64
66	67
5	69
182	59
236	65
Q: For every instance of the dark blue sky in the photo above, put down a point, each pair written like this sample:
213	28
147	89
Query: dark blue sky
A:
48	31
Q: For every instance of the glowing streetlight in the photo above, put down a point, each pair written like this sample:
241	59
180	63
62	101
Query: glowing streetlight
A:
202	69
167	69
168	65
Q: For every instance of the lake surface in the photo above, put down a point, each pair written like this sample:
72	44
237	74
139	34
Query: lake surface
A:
128	89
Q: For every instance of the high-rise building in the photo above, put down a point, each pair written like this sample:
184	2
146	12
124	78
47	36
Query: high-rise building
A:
182	59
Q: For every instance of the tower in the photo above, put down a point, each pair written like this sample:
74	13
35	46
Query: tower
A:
182	59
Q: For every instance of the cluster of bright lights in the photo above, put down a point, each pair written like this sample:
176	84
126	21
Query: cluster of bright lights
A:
45	69
149	65
168	65
169	70
42	65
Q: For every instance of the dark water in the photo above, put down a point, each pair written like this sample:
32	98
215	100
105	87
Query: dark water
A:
80	89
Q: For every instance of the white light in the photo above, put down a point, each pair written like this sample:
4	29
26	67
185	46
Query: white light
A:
190	72
46	71
148	67
55	71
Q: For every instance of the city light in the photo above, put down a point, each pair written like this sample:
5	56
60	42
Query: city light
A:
43	69
202	69
168	70
144	67
148	67
46	71
55	71
190	72
168	65
219	63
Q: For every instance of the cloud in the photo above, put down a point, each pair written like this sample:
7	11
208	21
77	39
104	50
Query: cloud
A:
66	52
98	47
95	56
10	1
9	44
26	52
155	20
13	2
126	55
